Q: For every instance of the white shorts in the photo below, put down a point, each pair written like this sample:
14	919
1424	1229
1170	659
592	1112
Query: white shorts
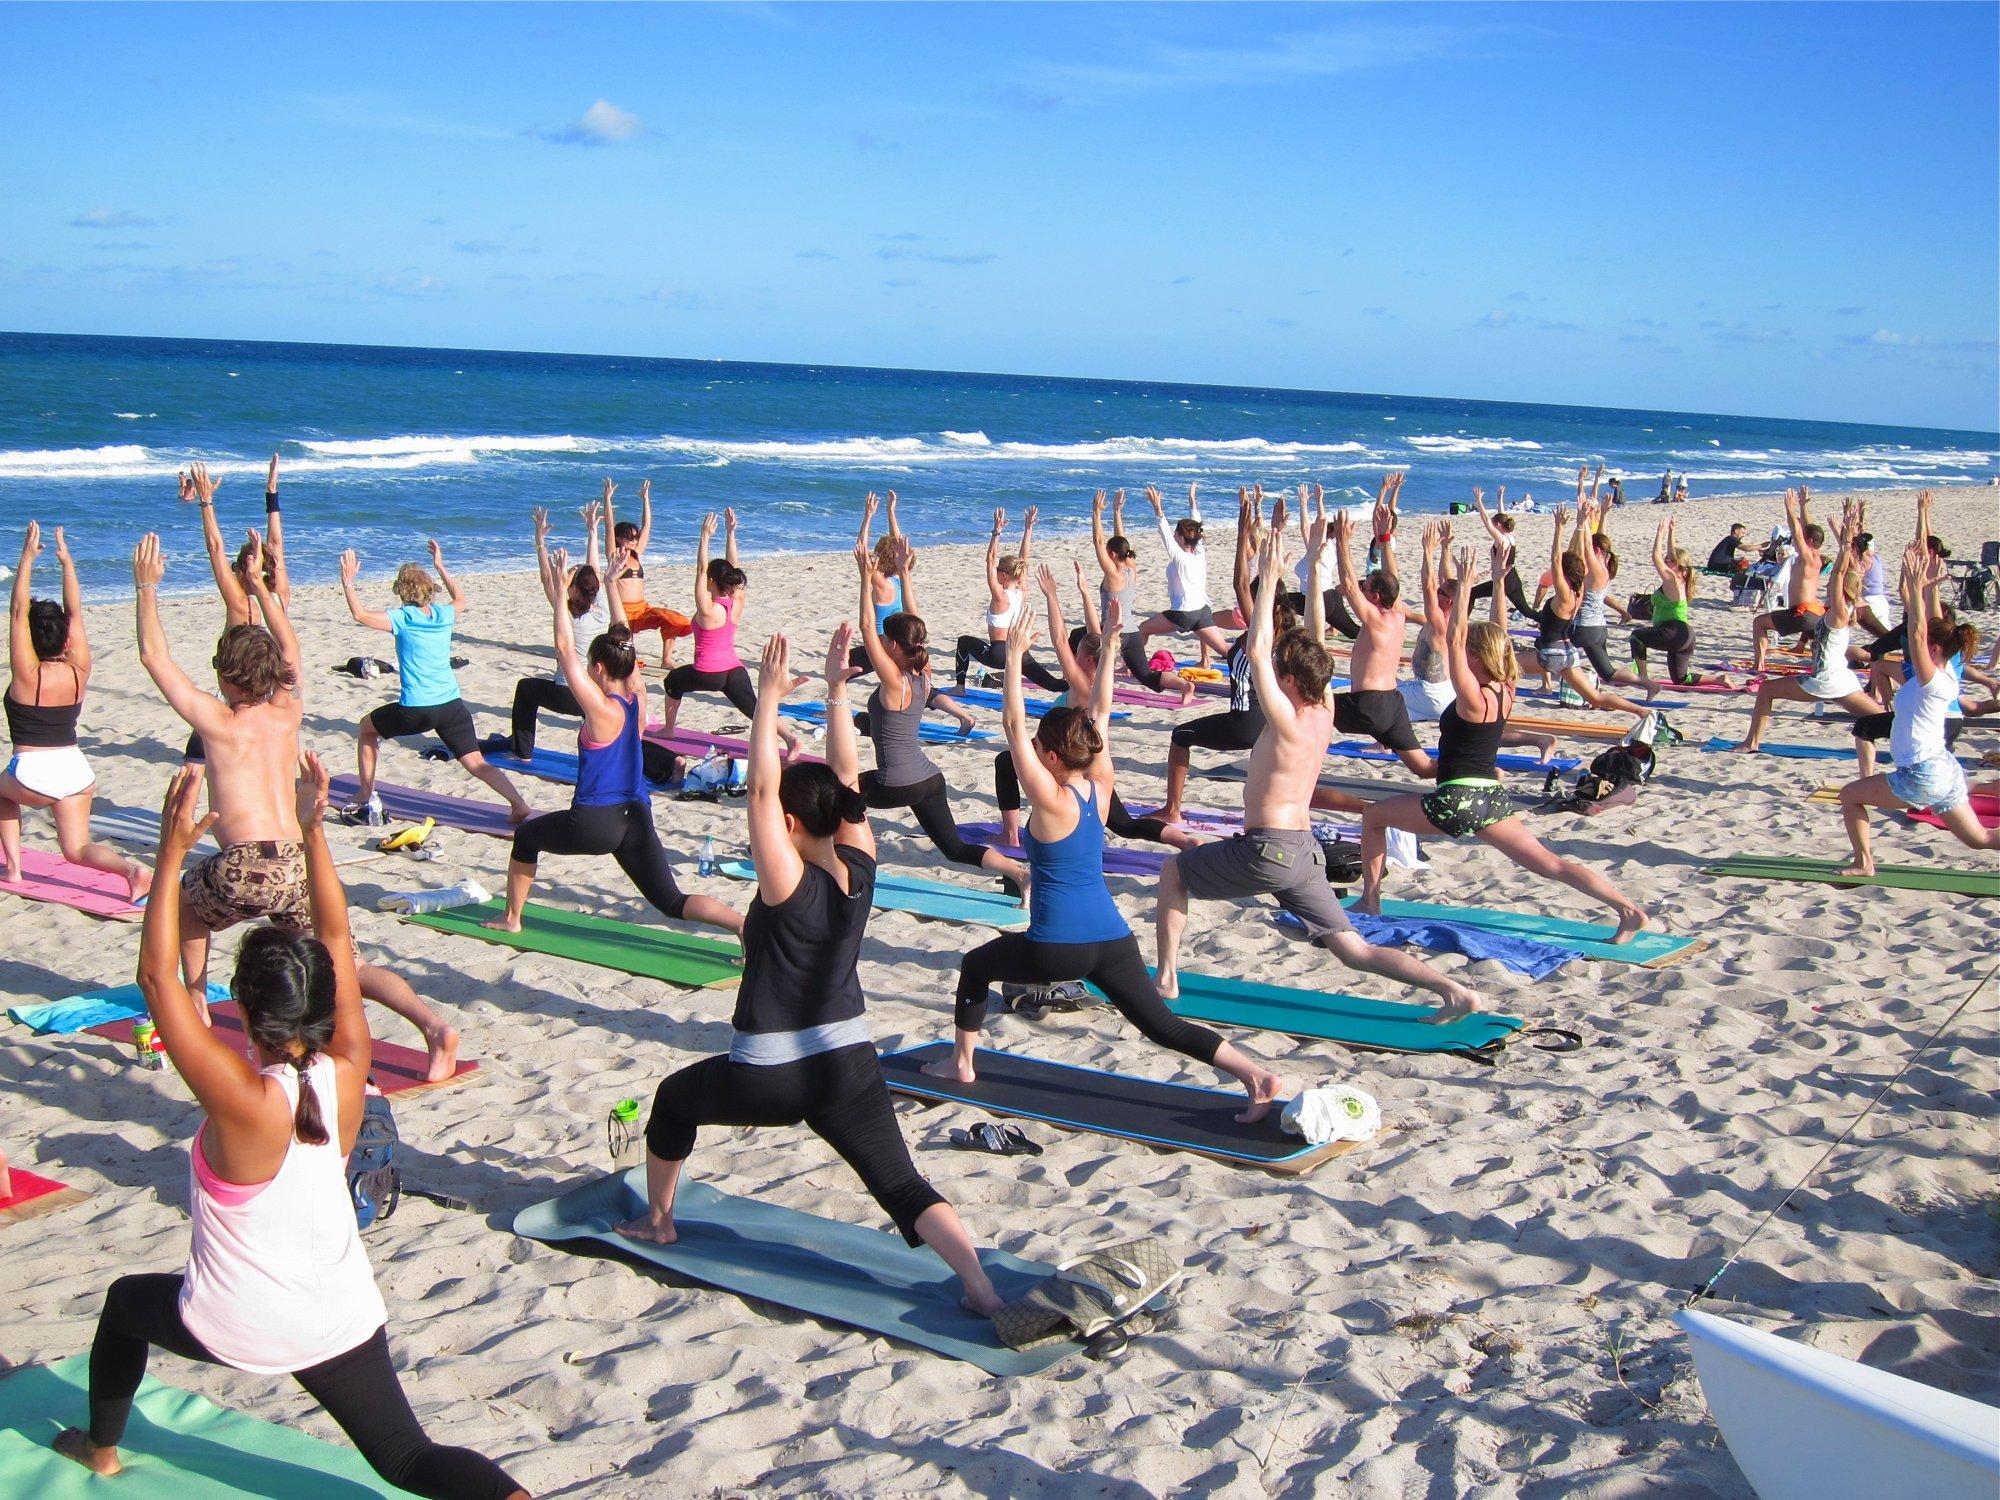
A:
1835	682
54	773
1878	606
1427	701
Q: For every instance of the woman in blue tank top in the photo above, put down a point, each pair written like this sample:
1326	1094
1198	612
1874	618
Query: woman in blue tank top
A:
612	812
1075	930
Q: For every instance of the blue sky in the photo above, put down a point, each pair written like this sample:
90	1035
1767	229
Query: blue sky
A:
1785	210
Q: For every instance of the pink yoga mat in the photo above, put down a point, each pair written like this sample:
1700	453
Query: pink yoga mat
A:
1985	807
47	877
405	804
395	1069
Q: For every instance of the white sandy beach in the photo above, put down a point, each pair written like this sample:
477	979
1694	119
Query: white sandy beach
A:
1479	1301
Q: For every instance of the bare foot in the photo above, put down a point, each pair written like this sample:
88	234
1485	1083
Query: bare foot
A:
1263	1090
74	1442
950	1069
503	924
1630	921
443	1045
1368	903
519	813
1860	868
1169	813
1460	1002
657	1231
1168	983
1546	745
1187	692
982	1304
1747	747
140	882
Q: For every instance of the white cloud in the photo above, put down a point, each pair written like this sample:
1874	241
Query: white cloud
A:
603	124
112	218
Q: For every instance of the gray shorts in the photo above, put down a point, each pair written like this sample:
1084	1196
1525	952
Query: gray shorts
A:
1287	863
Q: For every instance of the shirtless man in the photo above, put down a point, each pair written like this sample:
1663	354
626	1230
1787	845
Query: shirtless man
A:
1372	705
1277	854
625	549
1804	612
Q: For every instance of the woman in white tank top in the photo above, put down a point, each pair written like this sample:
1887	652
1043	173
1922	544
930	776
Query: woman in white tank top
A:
1004	579
277	1281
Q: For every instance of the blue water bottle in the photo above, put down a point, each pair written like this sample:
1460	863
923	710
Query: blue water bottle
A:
706	864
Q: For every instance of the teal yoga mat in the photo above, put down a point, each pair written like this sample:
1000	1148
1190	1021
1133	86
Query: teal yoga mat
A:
840	1272
939	900
1586	938
178	1447
1380	1025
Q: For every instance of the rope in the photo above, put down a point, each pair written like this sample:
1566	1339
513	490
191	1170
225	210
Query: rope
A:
1708	1286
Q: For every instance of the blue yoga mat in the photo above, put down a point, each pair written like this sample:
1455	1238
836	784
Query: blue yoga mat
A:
1526	956
1589	939
929	732
937	899
981	697
1369	750
549	765
840	1272
93	1008
1786	752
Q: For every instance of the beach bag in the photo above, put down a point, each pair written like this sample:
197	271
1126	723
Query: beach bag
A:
1343	860
374	1181
713	776
1099	1298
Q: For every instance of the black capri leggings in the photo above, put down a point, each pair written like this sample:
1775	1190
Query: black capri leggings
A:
1115	967
359	1390
1894	638
1676	638
1230	730
838	1095
1334	600
625	832
534	695
1007	792
1590	641
733	685
994	654
929	801
1517	597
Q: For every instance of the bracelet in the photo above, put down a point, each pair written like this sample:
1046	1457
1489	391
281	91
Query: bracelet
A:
270	502
146	588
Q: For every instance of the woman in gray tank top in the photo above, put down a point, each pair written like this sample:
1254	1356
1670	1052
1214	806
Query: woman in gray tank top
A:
1115	557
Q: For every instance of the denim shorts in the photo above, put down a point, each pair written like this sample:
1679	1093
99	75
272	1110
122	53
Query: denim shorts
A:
1935	785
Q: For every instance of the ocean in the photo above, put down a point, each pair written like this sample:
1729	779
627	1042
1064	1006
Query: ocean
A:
382	447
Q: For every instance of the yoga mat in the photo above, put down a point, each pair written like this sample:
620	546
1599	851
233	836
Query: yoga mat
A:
1177	1116
1985	807
34	1195
826	1268
937	899
1377	1025
407	805
395	1069
1785	752
122	1002
1369	750
177	1447
655	952
1894	877
95	893
1119	859
1589	939
1526	956
1662	704
1573	728
1146	698
697	744
993	698
930	733
130	825
551	765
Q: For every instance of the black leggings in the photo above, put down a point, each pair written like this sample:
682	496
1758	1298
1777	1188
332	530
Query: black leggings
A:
1338	615
1007	792
1676	638
838	1095
994	654
733	685
1517	597
1115	967
1892	639
929	801
533	695
625	832
1229	730
1590	641
358	1389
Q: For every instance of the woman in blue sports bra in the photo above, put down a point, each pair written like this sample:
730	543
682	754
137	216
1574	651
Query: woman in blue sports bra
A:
1075	930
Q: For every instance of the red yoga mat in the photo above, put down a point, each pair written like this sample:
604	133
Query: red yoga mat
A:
396	1070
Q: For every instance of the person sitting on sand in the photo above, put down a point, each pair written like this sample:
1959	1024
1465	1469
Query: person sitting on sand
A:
1277	854
801	1053
1927	776
277	1280
1006	598
1470	801
1188	610
1075	930
611	812
428	699
1727	558
625	549
1803	614
49	660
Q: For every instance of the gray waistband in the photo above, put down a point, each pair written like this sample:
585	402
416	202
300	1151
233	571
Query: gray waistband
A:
764	1049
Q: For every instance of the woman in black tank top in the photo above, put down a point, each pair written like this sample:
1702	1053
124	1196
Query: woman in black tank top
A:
1470	801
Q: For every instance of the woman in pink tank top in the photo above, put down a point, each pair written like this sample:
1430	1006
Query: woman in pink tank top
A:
277	1281
719	588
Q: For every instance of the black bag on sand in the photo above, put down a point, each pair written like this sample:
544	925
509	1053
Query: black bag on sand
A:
1612	779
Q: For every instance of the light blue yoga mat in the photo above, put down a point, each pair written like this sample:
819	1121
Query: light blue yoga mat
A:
549	765
177	1447
1369	750
1786	752
826	1268
982	697
1587	938
928	731
93	1008
936	899
1382	1025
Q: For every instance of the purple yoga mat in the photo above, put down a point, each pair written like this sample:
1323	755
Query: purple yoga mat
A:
694	742
1119	859
409	805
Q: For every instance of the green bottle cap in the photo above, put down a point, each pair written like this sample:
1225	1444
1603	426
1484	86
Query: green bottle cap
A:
625	1110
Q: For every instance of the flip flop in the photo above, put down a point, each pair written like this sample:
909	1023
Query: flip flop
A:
998	1140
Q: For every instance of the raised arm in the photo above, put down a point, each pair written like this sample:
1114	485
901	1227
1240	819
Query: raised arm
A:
1364	608
729	535
1472	703
1194	502
277	619
887	672
1565	595
610	520
274	537
1316	539
1271	698
1241	579
593	549
1028	534
602	718
451	588
72	592
1041	789
1385	535
843	753
1059	633
704	596
1435	617
994	587
1493	530
895	523
1662	556
1921	568
1099	542
350	569
778	864
645	515
20	642
1103	688
1086	600
1160	520
351	1042
868	508
204	712
196	486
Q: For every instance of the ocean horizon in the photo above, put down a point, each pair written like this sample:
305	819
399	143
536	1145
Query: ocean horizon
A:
381	447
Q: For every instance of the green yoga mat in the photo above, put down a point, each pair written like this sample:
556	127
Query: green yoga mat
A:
1895	877
840	1272
1586	938
937	899
177	1447
656	952
1381	1025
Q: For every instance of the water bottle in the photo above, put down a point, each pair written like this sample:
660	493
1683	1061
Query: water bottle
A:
706	864
622	1134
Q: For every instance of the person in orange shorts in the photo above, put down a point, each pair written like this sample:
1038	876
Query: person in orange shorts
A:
625	550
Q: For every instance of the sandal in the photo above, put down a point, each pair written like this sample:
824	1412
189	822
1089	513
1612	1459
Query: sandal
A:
998	1140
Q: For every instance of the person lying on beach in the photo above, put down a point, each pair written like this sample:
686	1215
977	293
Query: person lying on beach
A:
800	1052
1831	679
625	545
1188	610
1006	597
428	700
49	670
277	1280
1470	801
611	811
1803	613
1277	854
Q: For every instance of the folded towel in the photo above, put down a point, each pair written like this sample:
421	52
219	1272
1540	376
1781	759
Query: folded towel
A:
92	1008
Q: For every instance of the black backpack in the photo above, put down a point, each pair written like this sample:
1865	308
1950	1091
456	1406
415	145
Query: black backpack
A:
374	1181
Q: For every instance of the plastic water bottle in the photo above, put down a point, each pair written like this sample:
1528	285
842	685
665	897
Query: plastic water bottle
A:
706	864
623	1136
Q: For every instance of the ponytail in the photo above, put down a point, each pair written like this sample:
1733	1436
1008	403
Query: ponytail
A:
1951	638
307	1126
284	986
